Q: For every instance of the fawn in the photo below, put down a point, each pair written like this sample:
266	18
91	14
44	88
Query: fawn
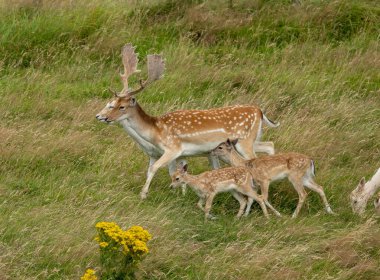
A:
237	180
298	168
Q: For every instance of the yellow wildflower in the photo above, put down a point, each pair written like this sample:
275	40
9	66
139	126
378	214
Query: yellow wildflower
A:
103	244
89	275
140	233
140	248
132	241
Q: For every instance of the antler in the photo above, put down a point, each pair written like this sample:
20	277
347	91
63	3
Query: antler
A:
156	68
113	92
130	60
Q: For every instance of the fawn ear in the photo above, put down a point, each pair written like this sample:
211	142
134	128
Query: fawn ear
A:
183	166
228	142
234	142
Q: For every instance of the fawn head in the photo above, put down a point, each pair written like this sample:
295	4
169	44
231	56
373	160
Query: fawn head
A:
224	150
178	175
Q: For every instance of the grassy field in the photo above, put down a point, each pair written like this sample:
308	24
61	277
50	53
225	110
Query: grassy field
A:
313	66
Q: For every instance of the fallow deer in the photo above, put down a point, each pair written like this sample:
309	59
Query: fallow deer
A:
298	168
363	192
237	180
180	133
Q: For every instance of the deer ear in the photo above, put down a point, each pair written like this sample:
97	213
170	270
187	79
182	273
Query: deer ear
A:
234	142
183	165
361	185
228	142
184	168
132	102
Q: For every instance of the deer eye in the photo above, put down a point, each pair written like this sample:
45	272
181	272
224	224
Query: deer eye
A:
220	148
122	108
177	179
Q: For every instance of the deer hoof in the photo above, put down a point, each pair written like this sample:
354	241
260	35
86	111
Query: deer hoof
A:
211	217
143	195
330	211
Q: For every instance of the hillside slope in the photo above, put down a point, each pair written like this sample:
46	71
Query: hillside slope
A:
312	66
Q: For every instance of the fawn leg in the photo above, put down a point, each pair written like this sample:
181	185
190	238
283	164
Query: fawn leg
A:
311	184
264	186
252	195
200	203
242	201
208	205
298	186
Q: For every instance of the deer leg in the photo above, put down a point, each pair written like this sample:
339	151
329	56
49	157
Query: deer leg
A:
310	183
200	204
208	205
162	161
242	201
214	161
264	147
298	186
172	167
152	160
247	189
264	186
252	195
278	214
245	148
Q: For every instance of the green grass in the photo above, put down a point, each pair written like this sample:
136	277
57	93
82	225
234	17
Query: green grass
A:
314	67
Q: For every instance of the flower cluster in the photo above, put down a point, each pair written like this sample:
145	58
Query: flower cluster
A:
89	275
131	242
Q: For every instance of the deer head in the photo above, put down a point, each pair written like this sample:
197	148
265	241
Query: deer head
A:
224	150
358	199
123	103
177	177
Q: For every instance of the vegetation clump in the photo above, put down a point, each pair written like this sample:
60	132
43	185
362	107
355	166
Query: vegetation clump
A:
121	251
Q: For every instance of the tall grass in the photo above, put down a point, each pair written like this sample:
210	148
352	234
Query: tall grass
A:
314	67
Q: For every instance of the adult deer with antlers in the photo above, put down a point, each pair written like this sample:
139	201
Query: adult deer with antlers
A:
181	133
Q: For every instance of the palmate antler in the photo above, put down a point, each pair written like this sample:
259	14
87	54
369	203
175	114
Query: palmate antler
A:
156	67
130	60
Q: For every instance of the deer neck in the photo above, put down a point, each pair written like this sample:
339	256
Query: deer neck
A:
372	185
142	124
236	159
193	182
